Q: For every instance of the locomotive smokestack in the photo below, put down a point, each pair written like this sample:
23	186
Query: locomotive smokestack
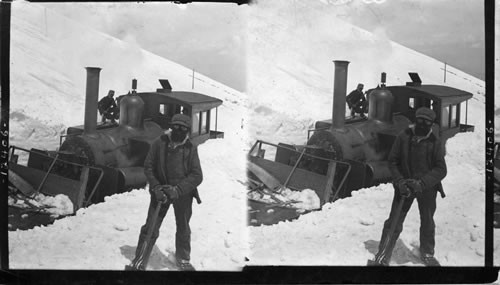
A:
91	98
339	93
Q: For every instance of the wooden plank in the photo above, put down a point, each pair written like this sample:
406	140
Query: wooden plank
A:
269	180
20	183
332	166
84	178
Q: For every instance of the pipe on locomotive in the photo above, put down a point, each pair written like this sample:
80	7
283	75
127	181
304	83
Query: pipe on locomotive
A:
339	93
91	97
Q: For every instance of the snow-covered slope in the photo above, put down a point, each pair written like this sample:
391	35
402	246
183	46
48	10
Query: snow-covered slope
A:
49	53
48	56
291	51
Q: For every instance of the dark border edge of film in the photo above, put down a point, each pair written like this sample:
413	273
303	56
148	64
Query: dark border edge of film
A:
489	16
258	274
5	14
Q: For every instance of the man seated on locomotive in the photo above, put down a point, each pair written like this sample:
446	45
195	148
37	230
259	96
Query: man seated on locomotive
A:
107	107
172	168
356	101
417	166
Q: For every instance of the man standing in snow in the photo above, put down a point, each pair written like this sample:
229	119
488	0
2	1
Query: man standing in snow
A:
417	165
356	101
173	171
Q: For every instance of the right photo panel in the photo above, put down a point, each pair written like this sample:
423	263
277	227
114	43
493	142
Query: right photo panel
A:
367	123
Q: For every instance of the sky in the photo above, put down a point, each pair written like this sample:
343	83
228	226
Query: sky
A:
211	38
451	31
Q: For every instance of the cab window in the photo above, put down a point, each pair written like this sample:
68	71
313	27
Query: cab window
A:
453	117
196	124
445	118
204	117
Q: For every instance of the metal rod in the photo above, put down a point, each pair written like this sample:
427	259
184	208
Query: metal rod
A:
466	111
47	174
293	169
216	118
95	187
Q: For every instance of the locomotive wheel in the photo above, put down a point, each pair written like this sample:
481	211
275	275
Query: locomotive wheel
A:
83	154
327	147
77	151
330	147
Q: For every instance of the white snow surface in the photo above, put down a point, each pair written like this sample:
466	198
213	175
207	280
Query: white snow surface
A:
58	205
305	199
290	84
48	56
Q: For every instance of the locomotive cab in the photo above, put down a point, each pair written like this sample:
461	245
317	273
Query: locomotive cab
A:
162	105
449	104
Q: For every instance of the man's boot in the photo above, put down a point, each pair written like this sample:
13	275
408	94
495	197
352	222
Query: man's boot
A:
185	265
429	259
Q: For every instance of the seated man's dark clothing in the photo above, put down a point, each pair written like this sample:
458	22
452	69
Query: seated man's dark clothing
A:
356	101
107	108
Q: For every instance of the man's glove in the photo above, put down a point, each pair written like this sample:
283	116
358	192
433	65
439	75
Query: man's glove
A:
416	186
159	194
403	188
172	192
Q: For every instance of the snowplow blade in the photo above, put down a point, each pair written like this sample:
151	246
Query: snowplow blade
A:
54	184
275	166
51	176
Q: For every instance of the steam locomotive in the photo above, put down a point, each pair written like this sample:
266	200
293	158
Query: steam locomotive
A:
343	155
97	160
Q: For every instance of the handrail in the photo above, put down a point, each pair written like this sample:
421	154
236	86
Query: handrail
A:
260	142
314	130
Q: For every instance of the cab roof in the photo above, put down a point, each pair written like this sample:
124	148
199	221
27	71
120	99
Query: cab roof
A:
193	99
447	95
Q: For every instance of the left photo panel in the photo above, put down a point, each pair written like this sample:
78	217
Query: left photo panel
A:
127	137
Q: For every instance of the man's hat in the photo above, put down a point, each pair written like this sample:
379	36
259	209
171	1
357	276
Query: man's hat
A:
360	85
425	113
182	120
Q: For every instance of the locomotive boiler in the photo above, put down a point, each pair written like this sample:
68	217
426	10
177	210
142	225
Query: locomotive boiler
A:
98	160
346	154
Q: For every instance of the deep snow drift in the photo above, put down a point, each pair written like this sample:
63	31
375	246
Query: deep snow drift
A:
48	54
293	92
